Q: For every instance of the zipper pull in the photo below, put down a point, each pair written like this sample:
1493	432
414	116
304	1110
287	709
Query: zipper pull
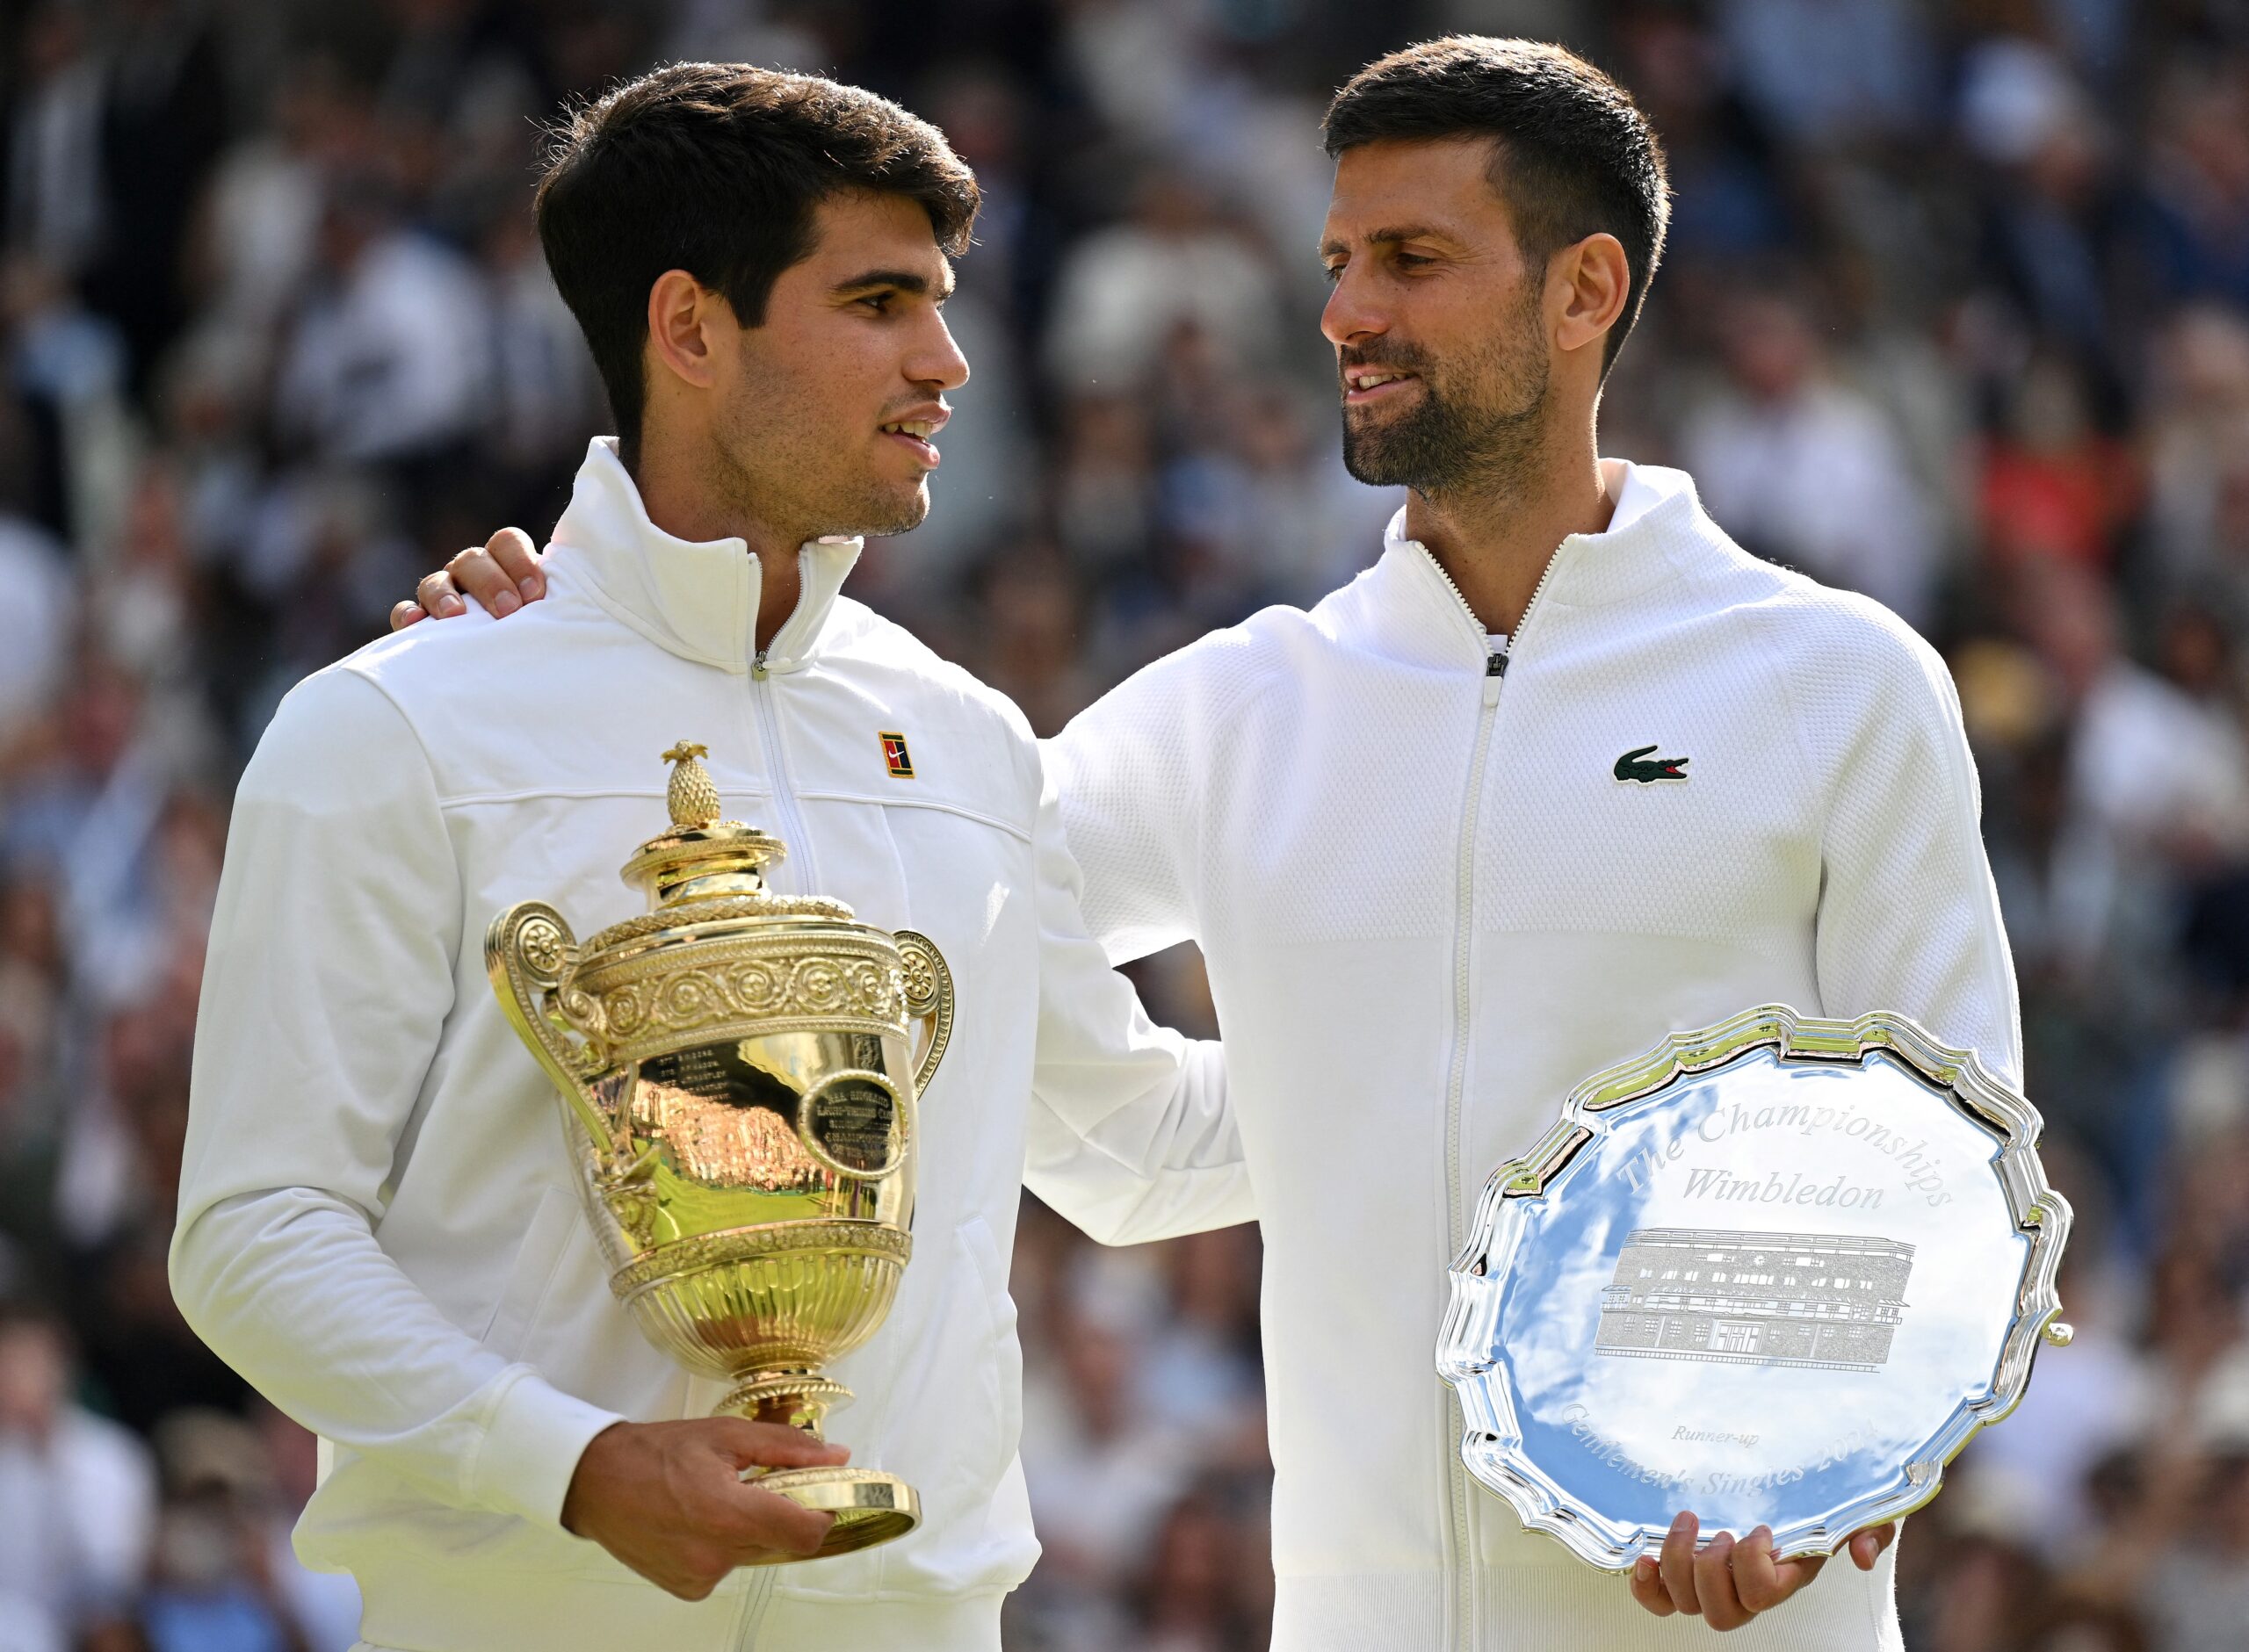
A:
757	666
1495	667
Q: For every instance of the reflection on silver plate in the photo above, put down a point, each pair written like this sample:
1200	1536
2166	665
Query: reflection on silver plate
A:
1775	1272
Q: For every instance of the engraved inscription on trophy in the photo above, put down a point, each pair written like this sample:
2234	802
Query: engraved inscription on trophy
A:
1828	1300
853	1121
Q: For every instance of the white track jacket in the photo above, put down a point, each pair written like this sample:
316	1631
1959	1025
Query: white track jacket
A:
378	1225
1429	906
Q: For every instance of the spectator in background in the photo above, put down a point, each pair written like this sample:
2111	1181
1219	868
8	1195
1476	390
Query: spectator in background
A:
163	121
1832	72
1123	292
2197	435
1728	203
1028	650
34	1102
261	220
1104	484
65	366
389	362
1188	1599
1111	1463
36	594
56	201
2197	183
2198	1595
1804	470
2055	216
544	393
77	1491
224	1579
2052	485
2148	765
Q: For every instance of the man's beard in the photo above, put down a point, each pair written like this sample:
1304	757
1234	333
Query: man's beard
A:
1437	447
802	484
877	512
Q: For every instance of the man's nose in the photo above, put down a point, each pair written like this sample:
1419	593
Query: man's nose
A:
939	361
1351	315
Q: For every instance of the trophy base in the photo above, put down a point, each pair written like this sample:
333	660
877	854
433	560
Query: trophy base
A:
869	1506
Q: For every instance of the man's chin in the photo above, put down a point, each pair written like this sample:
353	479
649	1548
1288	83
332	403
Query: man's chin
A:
891	515
1377	464
1381	447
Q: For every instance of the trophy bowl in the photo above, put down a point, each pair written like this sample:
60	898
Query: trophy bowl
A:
742	1107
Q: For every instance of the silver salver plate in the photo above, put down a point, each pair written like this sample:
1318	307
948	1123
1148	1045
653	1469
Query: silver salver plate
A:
1775	1272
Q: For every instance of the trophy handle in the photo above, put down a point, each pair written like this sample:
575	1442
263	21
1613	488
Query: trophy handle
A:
529	952
928	1000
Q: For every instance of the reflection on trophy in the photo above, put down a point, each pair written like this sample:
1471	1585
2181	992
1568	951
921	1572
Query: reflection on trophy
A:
743	1107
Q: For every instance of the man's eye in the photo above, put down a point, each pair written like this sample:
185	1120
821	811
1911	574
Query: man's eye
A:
1411	260
878	302
1333	272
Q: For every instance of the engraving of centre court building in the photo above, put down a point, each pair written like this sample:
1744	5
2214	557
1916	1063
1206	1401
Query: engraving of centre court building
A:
1814	1298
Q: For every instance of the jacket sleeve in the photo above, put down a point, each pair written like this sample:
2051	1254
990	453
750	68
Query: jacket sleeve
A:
329	981
1909	919
1130	1136
1128	807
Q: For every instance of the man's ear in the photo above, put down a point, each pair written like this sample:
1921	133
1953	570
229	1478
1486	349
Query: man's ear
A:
1586	285
683	317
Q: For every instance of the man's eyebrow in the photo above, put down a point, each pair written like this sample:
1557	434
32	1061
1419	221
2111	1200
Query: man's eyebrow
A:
904	280
1387	234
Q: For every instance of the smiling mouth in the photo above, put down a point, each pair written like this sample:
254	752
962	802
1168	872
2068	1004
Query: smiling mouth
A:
913	434
1363	386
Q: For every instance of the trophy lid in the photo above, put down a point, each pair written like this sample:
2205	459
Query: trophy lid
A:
702	857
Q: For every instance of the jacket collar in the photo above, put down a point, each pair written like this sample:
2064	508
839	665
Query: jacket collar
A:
699	601
1417	616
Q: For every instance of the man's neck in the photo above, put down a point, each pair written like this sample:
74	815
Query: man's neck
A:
677	494
1495	545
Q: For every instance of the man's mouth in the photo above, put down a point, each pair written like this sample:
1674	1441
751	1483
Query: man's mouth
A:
914	434
1365	385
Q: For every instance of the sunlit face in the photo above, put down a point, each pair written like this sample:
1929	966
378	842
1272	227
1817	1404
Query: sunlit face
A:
1442	351
829	411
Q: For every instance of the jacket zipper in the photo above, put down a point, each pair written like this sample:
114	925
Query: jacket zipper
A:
762	694
1495	671
747	1619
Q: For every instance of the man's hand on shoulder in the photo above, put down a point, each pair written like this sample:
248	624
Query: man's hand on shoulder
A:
1728	1583
501	575
668	1500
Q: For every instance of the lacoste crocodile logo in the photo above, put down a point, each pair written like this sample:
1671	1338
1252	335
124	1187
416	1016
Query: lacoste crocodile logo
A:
1637	765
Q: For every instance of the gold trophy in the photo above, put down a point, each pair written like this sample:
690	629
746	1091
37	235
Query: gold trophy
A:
742	1107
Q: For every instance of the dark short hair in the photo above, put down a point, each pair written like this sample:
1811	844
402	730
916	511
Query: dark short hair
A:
1574	156
717	169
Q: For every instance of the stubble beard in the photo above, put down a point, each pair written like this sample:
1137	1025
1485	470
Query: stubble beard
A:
1439	447
795	476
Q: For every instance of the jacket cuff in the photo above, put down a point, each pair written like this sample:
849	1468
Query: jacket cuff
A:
531	1449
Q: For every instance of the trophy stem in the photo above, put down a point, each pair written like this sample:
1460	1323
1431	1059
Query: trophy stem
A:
796	1396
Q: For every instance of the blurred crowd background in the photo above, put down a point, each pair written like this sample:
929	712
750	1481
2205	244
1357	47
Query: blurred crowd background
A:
1956	312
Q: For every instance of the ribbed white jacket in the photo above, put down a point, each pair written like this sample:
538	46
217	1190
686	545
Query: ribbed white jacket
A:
1430	906
379	1223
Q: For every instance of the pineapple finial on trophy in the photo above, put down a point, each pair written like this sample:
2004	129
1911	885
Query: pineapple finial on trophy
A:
692	796
701	856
